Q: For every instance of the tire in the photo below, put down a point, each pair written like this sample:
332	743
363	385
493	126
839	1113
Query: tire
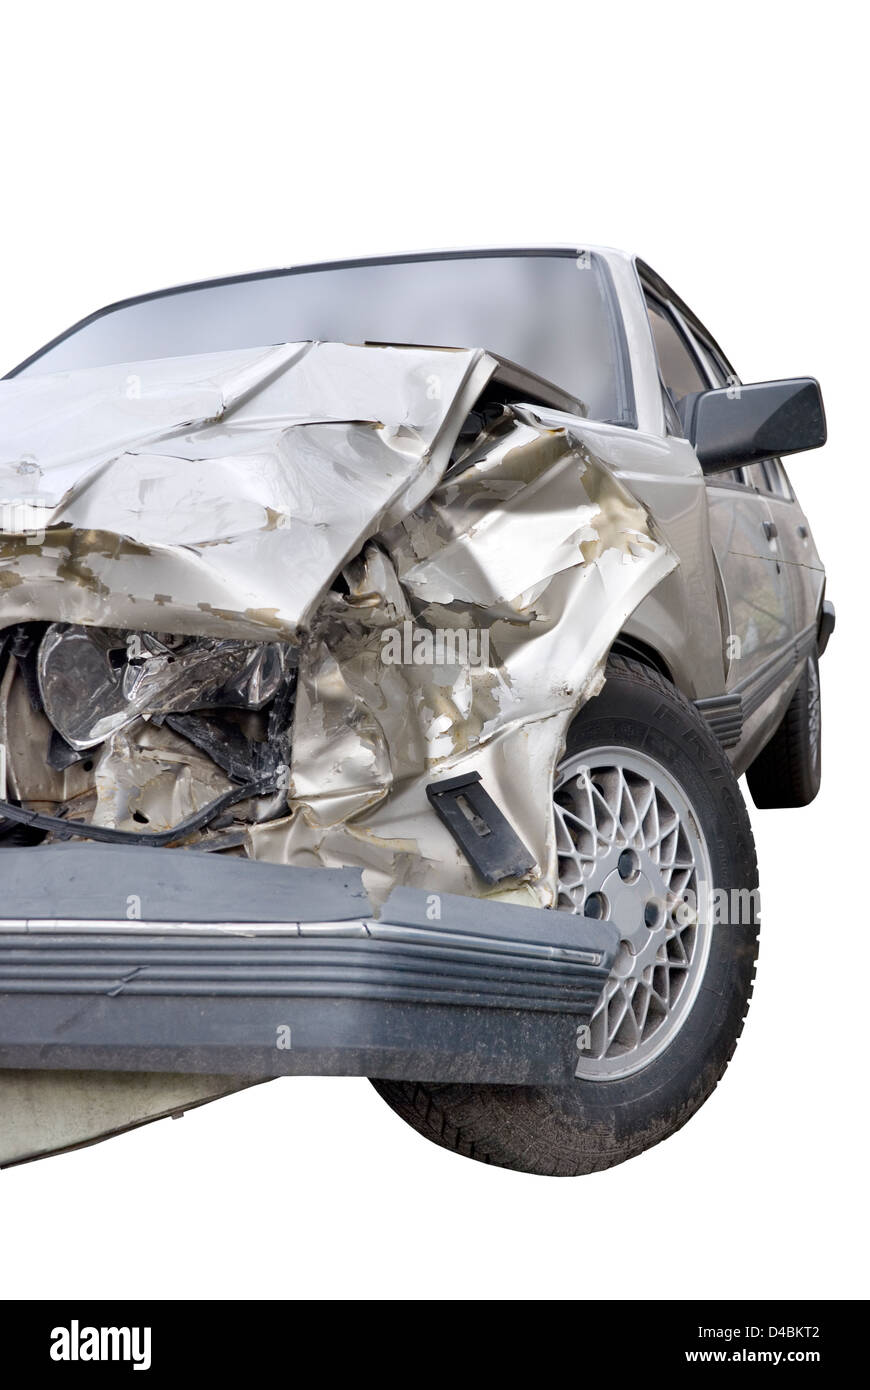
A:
601	1120
788	770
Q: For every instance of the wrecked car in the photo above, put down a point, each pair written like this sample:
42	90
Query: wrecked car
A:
381	645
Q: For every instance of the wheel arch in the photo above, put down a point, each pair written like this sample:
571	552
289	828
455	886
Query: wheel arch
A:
626	644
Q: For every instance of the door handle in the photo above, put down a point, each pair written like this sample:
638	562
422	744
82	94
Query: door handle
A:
803	532
770	530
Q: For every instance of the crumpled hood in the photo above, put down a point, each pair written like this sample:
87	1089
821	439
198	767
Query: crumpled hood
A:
217	494
221	496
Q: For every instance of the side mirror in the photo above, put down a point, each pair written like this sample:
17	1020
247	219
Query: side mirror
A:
742	424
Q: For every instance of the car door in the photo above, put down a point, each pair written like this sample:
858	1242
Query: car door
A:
804	568
756	597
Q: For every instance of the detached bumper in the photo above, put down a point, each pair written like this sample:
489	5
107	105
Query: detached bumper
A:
235	967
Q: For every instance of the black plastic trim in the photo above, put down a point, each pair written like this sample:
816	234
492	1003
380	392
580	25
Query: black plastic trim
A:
435	986
724	717
485	836
827	623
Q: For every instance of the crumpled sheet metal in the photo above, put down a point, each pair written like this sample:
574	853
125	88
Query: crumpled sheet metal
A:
225	494
533	542
217	495
149	770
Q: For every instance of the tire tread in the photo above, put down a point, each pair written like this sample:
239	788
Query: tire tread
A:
462	1118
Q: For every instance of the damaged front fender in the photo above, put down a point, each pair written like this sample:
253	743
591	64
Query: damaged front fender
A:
529	551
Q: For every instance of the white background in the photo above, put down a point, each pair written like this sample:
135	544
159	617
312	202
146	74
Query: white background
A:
147	145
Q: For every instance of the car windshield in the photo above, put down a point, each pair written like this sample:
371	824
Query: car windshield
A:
552	313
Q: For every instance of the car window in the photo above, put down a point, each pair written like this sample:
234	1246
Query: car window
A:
688	361
720	372
774	479
736	476
680	369
767	476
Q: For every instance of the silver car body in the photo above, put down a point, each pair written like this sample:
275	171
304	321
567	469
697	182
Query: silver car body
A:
311	495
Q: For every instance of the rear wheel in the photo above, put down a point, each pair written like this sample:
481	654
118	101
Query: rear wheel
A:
788	770
651	833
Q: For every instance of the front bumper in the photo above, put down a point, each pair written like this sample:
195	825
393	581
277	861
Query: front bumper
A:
175	961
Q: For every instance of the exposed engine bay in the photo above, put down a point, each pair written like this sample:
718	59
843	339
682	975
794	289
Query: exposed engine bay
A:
142	733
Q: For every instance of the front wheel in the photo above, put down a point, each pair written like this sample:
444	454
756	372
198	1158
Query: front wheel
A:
651	833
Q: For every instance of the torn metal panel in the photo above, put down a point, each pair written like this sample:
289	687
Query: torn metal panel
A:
219	495
533	543
148	778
